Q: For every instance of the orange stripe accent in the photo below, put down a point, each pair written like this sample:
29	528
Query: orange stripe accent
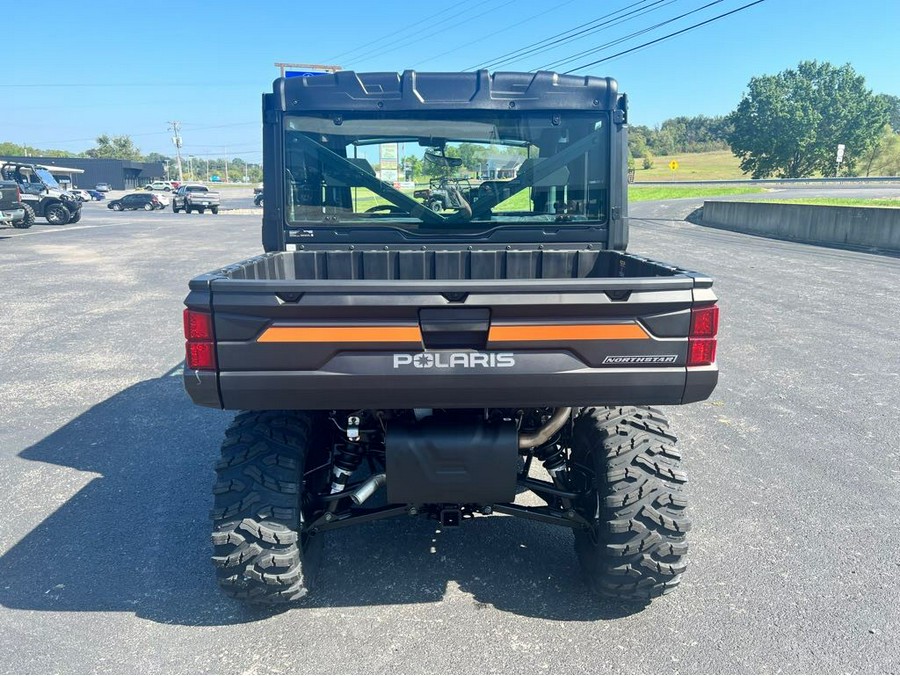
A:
341	334
555	332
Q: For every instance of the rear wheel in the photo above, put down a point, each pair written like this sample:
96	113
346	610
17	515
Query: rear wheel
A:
57	214
187	210
630	472
148	207
202	210
29	219
270	471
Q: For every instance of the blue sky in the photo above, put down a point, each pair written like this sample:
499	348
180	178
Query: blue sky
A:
107	67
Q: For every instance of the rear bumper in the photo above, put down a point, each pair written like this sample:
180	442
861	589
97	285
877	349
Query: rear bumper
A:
12	215
323	390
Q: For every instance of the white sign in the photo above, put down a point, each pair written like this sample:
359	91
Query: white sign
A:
840	153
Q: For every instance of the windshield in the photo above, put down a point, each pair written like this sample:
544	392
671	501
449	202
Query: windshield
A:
480	172
47	178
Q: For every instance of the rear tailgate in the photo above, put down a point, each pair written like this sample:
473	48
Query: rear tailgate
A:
9	195
360	344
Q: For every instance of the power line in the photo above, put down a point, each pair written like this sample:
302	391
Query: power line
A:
456	48
666	37
389	36
625	38
154	133
431	36
566	34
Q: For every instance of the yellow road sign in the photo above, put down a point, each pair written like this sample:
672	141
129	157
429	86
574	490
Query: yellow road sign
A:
673	165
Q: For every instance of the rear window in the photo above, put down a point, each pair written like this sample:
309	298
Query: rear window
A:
455	173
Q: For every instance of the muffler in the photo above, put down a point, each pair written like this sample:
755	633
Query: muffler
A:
455	462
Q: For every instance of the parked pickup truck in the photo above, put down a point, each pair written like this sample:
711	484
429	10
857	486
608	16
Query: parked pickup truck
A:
12	210
391	360
194	197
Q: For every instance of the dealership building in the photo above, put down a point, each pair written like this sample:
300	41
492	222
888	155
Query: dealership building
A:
86	172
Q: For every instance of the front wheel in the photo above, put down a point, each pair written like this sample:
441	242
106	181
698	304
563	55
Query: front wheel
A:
117	207
174	207
57	214
148	207
264	497
75	217
187	210
632	484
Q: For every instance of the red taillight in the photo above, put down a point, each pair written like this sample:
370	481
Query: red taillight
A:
200	355
200	348
197	325
702	339
705	322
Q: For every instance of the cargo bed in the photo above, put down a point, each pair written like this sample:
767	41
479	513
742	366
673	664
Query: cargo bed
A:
444	328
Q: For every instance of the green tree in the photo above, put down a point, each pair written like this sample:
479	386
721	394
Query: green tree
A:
893	108
115	147
790	124
472	155
886	161
16	150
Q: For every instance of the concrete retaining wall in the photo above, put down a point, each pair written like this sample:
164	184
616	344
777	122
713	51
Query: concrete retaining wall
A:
865	227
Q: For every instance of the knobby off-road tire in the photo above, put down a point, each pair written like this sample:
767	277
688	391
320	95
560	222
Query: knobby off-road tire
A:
75	217
626	456
29	219
57	214
261	504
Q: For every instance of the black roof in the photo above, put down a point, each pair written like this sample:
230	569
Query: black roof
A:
349	90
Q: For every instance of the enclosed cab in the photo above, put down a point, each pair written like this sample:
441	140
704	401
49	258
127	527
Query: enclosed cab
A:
498	352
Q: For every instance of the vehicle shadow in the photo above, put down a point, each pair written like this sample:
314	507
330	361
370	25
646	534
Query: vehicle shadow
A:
136	538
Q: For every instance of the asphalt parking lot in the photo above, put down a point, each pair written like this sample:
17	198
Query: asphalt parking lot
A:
794	466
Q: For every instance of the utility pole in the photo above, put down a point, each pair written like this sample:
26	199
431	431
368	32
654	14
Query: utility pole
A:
176	140
191	164
207	170
226	164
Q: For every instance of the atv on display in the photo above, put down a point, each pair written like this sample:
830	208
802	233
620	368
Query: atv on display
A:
451	359
42	194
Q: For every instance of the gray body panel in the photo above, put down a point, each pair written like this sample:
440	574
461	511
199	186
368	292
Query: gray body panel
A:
456	318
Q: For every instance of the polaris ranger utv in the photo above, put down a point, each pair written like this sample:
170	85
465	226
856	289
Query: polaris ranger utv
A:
502	358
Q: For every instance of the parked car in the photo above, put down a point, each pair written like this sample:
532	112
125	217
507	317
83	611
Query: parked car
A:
258	199
96	195
145	201
80	195
163	198
103	187
159	185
